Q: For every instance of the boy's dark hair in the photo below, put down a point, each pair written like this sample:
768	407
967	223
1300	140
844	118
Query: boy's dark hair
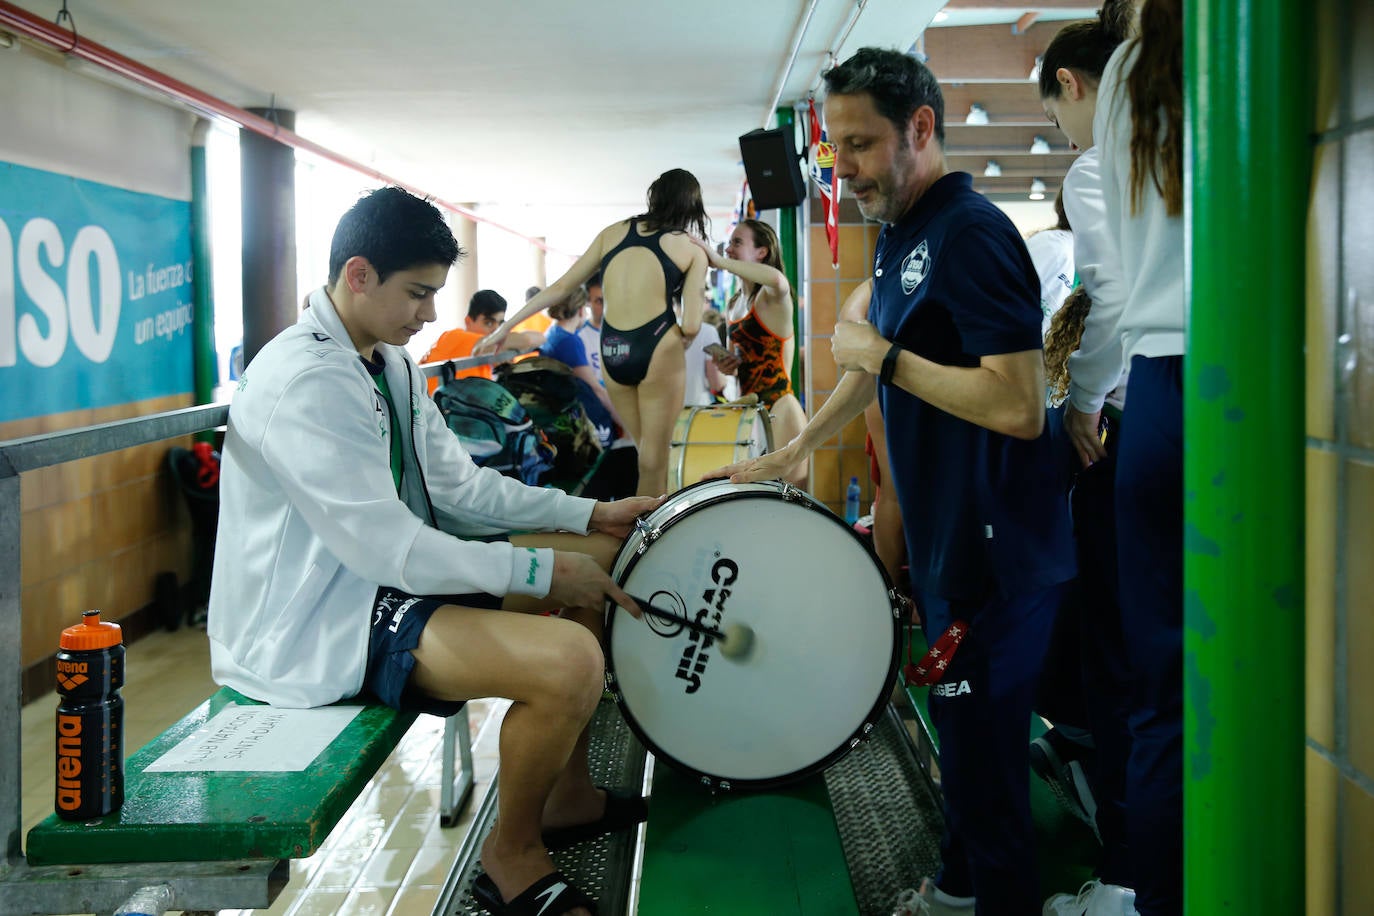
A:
593	280
486	303
394	230
533	291
898	84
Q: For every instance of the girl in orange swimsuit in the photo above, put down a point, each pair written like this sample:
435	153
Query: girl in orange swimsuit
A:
764	338
644	262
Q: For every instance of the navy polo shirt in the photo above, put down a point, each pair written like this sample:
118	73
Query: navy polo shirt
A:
985	514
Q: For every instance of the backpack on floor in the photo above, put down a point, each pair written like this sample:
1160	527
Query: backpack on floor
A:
550	395
494	429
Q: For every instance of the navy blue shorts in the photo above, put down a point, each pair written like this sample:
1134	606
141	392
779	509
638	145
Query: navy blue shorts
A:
398	619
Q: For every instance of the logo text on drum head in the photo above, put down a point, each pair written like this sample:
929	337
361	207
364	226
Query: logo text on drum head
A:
692	665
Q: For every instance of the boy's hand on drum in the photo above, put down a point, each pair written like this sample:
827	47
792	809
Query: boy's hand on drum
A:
618	518
579	581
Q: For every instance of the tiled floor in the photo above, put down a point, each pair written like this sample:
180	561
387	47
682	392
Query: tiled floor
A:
387	857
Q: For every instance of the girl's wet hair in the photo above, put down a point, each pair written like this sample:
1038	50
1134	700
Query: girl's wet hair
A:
675	204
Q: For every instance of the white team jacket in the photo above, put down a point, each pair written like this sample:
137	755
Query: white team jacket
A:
310	523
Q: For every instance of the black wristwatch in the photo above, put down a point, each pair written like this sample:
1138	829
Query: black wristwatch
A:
889	364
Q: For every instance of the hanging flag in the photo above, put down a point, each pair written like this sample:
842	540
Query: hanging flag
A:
822	173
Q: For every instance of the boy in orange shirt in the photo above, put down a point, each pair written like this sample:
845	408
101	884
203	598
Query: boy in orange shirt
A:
486	310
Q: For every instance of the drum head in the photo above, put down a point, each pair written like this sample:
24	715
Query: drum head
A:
825	635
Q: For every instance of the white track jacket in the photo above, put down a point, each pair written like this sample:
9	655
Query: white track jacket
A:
1136	260
310	522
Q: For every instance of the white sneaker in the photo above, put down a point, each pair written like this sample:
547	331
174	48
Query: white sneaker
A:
1093	899
931	901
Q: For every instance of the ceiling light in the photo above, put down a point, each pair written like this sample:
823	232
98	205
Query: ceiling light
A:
1037	191
1040	145
977	114
992	169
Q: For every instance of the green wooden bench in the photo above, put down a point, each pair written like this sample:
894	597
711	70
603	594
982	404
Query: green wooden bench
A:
212	815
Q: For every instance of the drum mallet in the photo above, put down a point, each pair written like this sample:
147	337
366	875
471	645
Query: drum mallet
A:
735	640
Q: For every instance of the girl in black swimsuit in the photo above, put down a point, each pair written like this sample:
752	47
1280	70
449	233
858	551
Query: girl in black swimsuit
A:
645	263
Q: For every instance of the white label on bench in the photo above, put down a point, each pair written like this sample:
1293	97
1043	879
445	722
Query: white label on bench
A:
257	739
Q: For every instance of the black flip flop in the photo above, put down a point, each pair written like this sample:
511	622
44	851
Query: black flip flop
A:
551	895
623	811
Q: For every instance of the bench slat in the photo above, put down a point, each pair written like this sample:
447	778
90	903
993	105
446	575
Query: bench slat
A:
197	816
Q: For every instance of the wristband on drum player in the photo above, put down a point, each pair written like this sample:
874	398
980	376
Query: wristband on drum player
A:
933	664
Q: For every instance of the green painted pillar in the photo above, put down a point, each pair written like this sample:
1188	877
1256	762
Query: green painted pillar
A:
204	361
787	235
1248	103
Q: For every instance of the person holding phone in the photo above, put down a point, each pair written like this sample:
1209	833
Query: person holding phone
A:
763	340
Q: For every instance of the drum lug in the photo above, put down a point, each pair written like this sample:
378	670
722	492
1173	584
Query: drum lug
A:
648	534
725	785
791	493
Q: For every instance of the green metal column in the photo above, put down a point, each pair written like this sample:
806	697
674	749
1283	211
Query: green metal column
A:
787	235
204	324
1248	108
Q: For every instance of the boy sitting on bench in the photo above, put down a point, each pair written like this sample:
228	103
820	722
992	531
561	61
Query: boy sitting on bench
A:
362	551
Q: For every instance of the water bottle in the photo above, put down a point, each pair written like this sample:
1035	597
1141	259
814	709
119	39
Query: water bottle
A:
851	502
90	720
148	901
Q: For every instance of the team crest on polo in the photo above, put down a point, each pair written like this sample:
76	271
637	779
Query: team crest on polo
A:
915	266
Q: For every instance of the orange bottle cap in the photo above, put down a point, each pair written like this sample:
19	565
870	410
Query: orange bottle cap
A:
92	633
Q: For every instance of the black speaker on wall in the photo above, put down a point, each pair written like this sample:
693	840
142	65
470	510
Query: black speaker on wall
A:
770	164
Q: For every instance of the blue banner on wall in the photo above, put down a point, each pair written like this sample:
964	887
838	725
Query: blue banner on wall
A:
96	301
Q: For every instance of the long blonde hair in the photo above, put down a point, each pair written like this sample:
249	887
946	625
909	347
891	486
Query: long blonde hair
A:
1063	337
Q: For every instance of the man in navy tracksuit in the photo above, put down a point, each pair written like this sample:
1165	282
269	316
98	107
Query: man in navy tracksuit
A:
954	341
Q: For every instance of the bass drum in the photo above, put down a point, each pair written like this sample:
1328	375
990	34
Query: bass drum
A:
826	625
706	438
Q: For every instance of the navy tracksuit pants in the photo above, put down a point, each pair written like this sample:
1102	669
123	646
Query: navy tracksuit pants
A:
981	709
1149	515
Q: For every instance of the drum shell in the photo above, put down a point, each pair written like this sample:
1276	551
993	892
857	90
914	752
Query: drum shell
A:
706	438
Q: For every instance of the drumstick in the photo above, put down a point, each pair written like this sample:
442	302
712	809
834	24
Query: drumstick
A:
735	640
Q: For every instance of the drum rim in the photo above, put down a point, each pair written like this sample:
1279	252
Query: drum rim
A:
710	780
